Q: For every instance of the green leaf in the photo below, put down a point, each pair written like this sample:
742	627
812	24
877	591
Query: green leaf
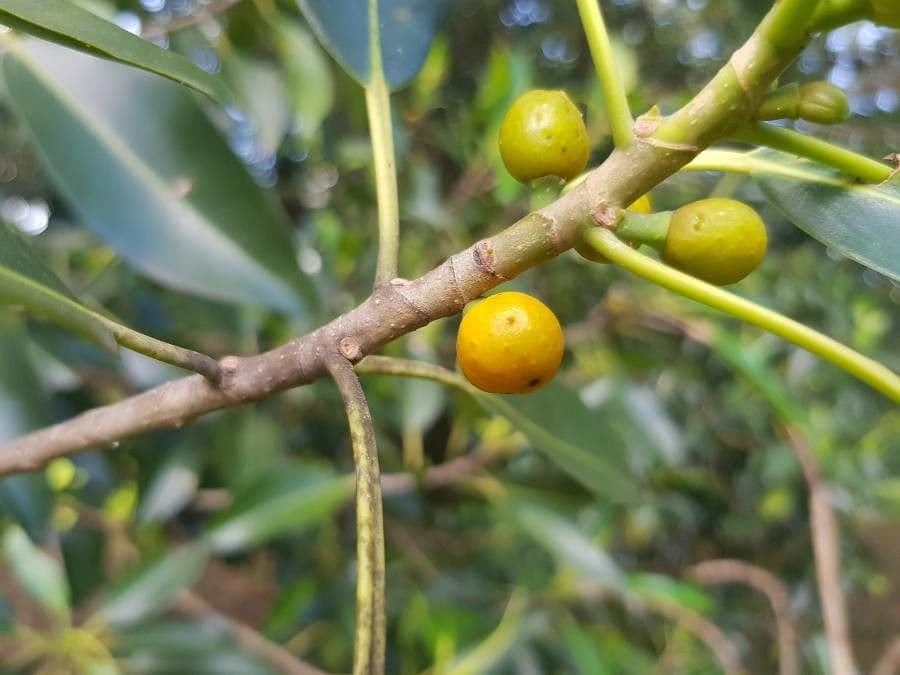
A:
857	220
292	502
647	586
568	545
149	589
42	577
26	281
310	86
260	91
172	488
584	443
406	28
145	170
64	22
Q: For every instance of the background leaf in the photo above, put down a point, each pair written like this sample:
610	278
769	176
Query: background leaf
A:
406	29
149	589
146	171
582	442
290	502
26	281
41	575
64	22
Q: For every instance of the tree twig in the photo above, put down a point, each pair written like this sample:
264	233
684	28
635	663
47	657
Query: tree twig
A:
190	604
827	552
371	629
660	148
737	571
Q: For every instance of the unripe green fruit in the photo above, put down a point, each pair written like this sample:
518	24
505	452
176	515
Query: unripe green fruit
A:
886	12
543	134
822	103
718	240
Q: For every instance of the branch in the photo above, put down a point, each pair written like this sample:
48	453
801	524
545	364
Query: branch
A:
371	629
192	605
661	147
736	571
704	629
889	663
827	552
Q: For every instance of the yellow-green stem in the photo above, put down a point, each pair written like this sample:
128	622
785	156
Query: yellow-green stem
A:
378	107
787	140
871	372
370	639
788	20
614	94
161	351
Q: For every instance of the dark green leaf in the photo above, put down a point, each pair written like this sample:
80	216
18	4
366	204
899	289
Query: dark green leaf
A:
293	501
647	586
582	442
64	22
149	589
146	171
26	281
406	28
859	221
42	577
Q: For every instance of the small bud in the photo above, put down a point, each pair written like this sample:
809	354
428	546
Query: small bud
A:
822	103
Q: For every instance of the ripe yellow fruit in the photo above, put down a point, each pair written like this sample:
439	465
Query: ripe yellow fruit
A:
718	240
543	134
509	343
640	205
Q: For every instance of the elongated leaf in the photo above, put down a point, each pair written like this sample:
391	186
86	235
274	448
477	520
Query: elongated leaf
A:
308	76
25	281
859	221
64	22
260	91
146	171
583	443
568	545
173	486
149	589
294	501
406	28
42	577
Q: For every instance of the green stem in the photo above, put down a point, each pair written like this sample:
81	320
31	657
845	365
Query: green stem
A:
833	13
161	351
388	365
370	639
378	107
788	22
871	372
787	140
644	228
614	95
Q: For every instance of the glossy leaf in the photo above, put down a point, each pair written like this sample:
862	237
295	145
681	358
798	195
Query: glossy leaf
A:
42	577
149	589
145	170
26	281
292	502
406	28
582	442
64	22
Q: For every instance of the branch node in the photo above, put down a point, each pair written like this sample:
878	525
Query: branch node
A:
486	259
228	367
606	215
350	349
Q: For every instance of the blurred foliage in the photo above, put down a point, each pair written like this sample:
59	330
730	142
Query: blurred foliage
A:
521	568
